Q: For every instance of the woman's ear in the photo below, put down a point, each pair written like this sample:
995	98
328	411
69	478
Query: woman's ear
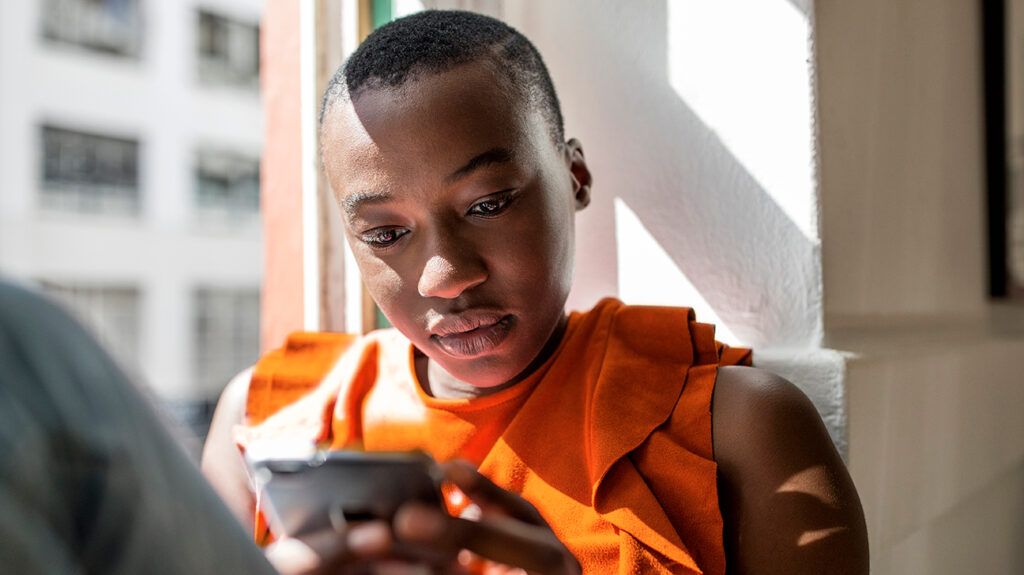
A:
581	177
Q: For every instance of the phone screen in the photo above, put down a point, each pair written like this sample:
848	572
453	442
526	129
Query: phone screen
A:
332	489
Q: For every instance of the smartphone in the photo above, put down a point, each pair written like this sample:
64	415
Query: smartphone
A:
331	489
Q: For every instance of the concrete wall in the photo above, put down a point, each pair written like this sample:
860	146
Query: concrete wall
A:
699	130
901	158
937	450
935	394
654	130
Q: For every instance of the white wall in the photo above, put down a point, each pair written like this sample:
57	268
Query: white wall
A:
624	75
902	158
156	99
699	131
935	394
937	451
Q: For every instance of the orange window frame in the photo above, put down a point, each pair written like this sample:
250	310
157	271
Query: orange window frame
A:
310	283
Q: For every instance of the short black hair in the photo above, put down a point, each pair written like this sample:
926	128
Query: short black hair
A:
435	41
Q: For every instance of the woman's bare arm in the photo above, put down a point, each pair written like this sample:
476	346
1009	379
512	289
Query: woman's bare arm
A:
788	502
222	463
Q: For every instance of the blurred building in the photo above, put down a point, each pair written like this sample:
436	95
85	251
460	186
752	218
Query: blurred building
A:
130	142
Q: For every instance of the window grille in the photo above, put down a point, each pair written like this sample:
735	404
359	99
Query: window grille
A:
227	186
89	173
228	51
111	26
226	334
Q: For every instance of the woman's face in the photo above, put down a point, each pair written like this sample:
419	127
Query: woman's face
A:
459	209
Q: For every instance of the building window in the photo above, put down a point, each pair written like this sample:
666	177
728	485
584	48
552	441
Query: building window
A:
226	334
111	26
89	173
229	51
227	186
111	312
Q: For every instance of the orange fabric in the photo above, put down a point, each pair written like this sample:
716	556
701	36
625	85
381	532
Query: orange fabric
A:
610	438
283	376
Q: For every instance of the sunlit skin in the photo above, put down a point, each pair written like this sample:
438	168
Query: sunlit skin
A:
461	220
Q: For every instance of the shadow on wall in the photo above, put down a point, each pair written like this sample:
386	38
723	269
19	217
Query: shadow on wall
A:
753	264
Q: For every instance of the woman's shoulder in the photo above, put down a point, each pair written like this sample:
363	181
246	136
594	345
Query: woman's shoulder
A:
783	485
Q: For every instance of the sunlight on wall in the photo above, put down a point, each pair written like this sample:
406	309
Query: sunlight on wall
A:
405	7
742	66
649	276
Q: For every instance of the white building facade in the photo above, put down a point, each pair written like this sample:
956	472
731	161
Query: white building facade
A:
130	139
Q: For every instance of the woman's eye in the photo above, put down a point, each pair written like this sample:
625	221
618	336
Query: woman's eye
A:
384	237
491	206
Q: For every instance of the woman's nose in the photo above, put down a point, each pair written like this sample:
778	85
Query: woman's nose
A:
449	273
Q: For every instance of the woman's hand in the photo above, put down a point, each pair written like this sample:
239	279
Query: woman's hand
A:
363	549
509	536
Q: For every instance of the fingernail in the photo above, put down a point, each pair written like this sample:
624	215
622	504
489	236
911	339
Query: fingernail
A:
292	553
367	538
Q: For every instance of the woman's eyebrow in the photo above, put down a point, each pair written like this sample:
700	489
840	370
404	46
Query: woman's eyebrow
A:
355	201
490	157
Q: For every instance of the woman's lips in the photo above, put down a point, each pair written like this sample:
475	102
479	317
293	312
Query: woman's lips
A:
487	336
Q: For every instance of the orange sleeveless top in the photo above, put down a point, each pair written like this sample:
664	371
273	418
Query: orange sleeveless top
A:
610	439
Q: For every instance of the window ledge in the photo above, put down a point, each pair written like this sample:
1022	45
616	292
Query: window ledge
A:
873	336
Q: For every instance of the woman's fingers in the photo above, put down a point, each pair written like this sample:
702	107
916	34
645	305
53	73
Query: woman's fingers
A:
364	548
498	538
369	540
293	557
510	532
513	542
489	496
321	553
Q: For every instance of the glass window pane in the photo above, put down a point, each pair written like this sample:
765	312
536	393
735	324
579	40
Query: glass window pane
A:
89	173
112	26
226	325
227	187
228	51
